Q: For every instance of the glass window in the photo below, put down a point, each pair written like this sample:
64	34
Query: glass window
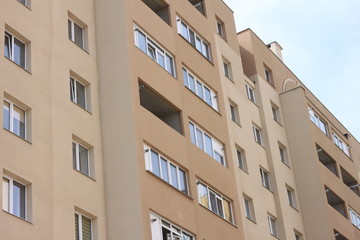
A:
199	89
6	115
174	178
76	33
192	133
14	119
250	93
164	170
14	197
203	195
208	145
78	93
81	158
241	159
14	49
155	163
199	139
83	227
183	181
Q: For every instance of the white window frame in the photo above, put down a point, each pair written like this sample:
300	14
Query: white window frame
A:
217	197
272	226
341	144
217	148
197	91
234	112
176	233
275	113
249	208
199	43
265	178
257	135
220	28
291	197
73	89
10	206
241	159
77	158
149	167
27	3
283	155
227	69
268	76
11	49
354	218
158	49
11	113
72	33
250	92
319	122
80	225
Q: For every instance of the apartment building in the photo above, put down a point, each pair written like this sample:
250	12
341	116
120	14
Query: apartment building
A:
153	119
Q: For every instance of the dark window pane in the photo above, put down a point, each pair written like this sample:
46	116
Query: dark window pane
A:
78	35
80	94
84	160
19	53
174	180
19	200
164	170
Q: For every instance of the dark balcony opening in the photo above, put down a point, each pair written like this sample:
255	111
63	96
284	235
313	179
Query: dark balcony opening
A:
160	107
350	181
199	5
160	8
336	202
328	161
339	236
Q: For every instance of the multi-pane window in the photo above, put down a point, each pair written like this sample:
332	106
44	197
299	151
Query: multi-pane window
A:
14	119
268	76
154	51
318	121
291	196
200	89
163	229
250	93
199	5
340	143
240	154
83	227
234	112
220	28
283	155
355	218
214	201
272	226
193	38
166	170
14	197
15	50
227	69
208	144
78	93
265	180
257	135
76	33
249	208
81	159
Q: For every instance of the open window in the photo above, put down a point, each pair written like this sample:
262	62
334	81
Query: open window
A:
159	7
160	107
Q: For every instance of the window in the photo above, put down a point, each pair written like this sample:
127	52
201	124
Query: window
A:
268	76
78	93
240	154
15	118
83	227
27	3
77	32
160	8
257	135
340	143
163	229
193	38
220	28
250	93
214	202
283	155
275	113
208	144
298	236
265	181
354	218
154	51
335	201
249	208
227	69
234	112
15	197
81	158
15	50
318	121
272	226
203	91
166	170
199	5
291	196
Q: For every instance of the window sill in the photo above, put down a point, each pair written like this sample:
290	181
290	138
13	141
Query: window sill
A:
278	123
269	189
85	50
82	107
218	216
89	177
18	136
209	60
237	123
251	220
244	170
286	164
293	207
25	220
18	65
27	6
168	184
217	111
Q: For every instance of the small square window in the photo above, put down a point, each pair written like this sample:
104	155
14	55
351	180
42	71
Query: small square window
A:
77	32
240	154
17	49
16	118
272	226
227	69
265	180
250	93
249	208
82	156
16	196
83	227
257	135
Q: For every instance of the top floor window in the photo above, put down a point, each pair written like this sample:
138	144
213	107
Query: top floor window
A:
318	121
193	38
154	51
199	5
340	143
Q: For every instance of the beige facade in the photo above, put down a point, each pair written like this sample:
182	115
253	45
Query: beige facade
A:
153	119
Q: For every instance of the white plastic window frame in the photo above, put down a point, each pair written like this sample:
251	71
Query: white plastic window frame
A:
157	223
273	226
80	215
341	144
73	89
250	92
257	135
10	206
77	158
11	39
11	113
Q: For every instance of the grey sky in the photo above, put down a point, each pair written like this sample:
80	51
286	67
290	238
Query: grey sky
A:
321	41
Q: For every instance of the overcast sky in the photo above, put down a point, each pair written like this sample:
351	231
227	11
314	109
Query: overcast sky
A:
321	42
